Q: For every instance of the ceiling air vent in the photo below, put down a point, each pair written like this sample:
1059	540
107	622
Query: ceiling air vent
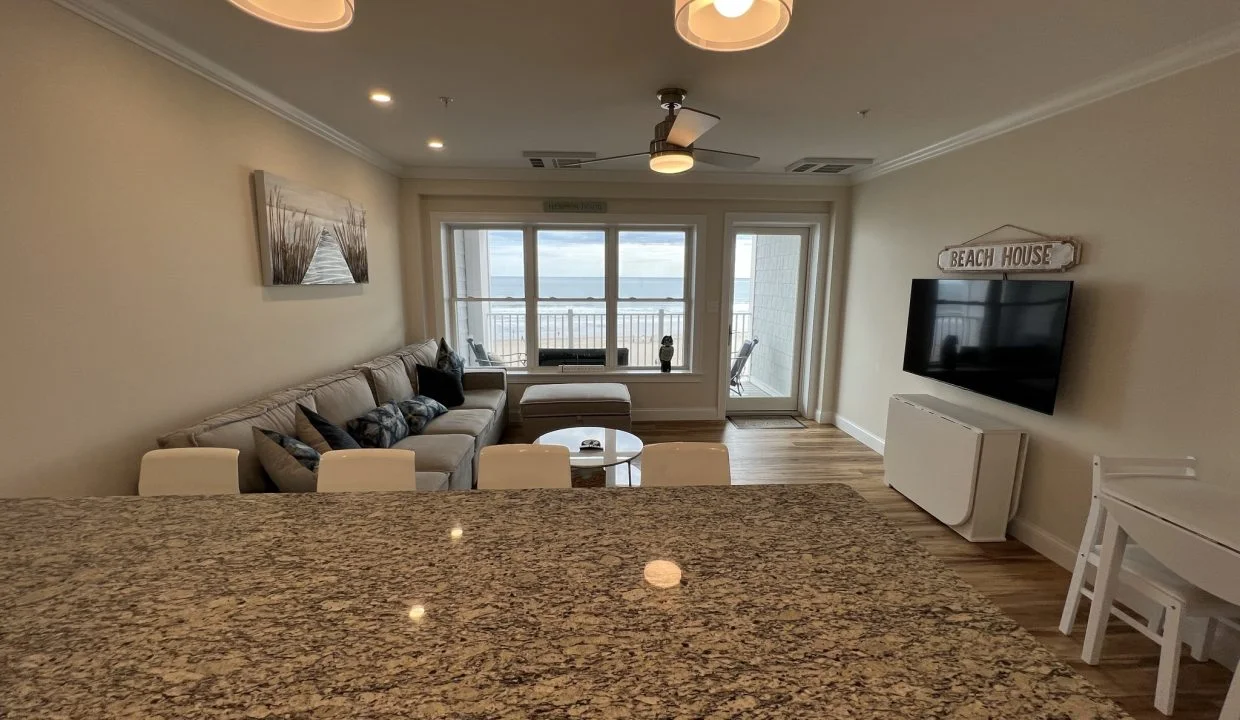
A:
827	166
548	159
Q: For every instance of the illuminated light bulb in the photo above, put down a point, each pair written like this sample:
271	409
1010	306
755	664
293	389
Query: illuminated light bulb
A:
733	8
434	144
662	574
381	97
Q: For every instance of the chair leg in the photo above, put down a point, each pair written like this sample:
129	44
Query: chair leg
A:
1114	540
1231	707
1199	649
1073	601
1169	661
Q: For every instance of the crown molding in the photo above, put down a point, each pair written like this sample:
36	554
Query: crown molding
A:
618	176
105	15
1208	48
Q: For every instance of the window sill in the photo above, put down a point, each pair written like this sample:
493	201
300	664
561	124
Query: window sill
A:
525	377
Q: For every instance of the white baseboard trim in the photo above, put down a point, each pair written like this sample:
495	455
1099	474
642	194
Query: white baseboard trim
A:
675	414
1044	543
867	438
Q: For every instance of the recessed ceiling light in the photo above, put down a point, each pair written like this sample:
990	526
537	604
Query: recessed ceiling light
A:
380	97
434	144
317	16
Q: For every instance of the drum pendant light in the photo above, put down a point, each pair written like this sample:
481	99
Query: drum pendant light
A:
305	15
732	25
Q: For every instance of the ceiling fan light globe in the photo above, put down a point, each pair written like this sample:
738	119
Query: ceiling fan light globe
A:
671	163
733	8
304	15
707	24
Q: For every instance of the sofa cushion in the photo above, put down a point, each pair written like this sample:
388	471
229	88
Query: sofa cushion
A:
389	378
460	422
492	400
554	400
439	453
343	396
291	463
431	481
440	385
316	431
422	353
382	427
420	410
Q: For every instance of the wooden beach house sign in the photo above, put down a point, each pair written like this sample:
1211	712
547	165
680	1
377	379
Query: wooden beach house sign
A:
1044	253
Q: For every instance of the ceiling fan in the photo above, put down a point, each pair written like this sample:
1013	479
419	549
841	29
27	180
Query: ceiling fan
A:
672	150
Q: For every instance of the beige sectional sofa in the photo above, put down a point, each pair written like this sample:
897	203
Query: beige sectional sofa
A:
447	451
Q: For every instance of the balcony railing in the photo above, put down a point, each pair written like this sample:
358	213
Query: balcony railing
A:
641	333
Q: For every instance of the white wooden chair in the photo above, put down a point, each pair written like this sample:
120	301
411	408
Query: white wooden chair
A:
370	470
524	467
189	471
685	463
1143	581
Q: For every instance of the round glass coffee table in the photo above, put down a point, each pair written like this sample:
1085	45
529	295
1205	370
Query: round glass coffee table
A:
619	447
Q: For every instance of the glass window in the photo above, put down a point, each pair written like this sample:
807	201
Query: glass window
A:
581	274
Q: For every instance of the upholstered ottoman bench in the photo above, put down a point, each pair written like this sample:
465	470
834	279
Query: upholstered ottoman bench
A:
553	407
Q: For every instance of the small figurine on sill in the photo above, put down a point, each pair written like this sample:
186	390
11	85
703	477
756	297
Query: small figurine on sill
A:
666	352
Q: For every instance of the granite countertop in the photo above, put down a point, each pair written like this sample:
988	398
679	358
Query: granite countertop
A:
796	602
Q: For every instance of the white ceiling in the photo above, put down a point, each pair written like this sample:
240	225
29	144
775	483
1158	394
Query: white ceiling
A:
581	74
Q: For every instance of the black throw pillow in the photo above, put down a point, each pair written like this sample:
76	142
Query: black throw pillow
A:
442	386
319	433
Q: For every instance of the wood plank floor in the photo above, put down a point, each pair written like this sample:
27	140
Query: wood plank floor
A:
1025	585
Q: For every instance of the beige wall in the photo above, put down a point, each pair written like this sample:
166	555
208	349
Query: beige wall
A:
697	398
132	301
1150	180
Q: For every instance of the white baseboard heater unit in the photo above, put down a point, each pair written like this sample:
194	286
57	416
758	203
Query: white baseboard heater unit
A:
960	465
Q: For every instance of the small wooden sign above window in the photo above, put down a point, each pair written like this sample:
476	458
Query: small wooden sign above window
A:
1041	254
575	206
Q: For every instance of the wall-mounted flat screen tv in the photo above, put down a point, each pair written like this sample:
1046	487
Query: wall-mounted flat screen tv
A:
1001	338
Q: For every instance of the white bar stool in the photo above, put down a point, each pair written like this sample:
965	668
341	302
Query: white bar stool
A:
189	471
686	463
371	470
524	467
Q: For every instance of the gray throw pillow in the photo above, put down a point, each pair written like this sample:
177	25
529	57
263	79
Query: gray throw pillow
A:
448	361
292	464
382	427
320	433
419	411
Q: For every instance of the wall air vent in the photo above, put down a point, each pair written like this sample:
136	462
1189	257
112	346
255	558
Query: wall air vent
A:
827	166
549	159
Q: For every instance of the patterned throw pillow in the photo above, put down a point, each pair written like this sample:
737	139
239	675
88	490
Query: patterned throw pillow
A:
319	433
291	463
382	427
419	411
440	385
448	361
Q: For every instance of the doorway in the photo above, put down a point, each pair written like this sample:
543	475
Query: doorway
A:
766	333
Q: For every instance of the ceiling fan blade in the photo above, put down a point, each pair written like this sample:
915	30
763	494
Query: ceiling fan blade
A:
735	161
690	125
613	157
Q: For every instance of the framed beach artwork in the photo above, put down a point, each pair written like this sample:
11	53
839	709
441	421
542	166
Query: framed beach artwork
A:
307	236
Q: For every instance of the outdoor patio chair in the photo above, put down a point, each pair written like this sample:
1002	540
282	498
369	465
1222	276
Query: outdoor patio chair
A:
738	366
486	359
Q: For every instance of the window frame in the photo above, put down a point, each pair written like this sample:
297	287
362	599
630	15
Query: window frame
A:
612	226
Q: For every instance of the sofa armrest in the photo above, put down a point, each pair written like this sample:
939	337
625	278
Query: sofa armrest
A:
485	379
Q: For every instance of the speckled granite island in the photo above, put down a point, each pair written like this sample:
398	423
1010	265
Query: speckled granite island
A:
796	602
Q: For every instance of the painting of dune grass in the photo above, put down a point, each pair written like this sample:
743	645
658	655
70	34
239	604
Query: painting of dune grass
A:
308	236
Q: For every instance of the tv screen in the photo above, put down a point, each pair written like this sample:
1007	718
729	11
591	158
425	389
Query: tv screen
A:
1001	338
